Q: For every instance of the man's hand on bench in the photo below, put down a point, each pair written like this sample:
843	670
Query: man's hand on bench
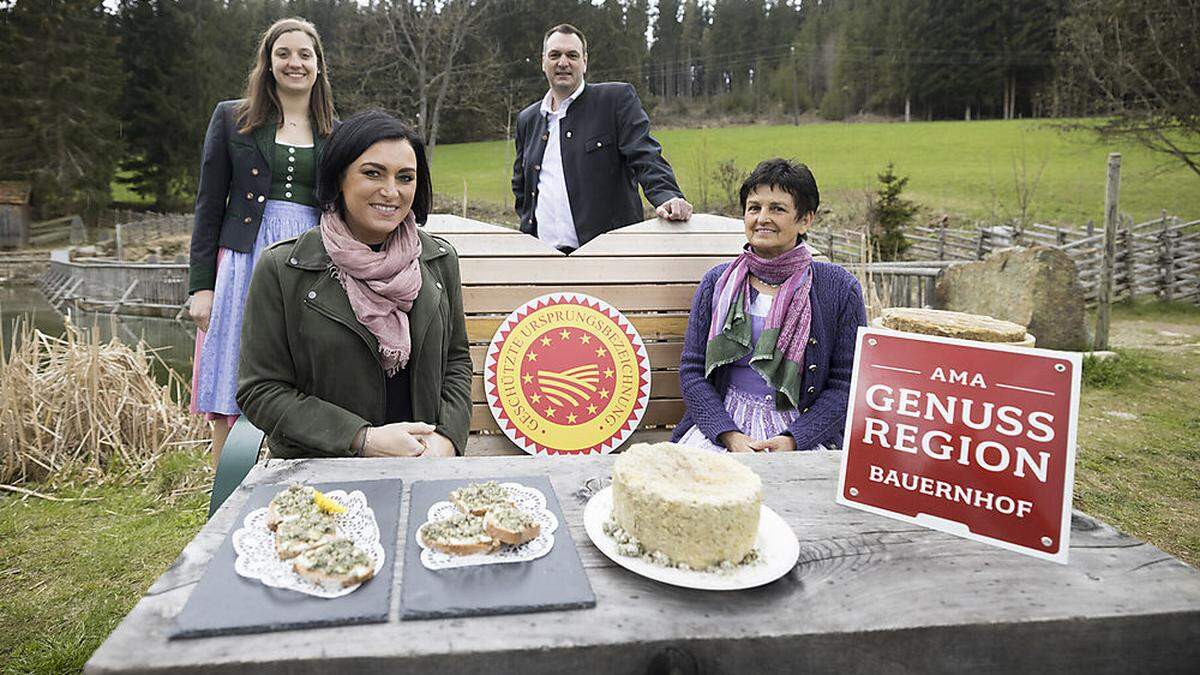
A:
676	208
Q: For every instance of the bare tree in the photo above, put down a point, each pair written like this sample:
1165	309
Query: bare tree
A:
1140	61
414	58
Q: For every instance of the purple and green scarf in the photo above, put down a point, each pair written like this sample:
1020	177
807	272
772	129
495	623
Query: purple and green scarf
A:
779	354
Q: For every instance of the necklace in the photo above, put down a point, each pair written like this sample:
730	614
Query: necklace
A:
767	283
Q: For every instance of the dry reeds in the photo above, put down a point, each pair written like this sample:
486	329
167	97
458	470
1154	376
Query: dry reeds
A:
73	406
877	290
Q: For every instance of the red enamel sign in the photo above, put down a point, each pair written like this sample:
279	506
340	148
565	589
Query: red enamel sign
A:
969	438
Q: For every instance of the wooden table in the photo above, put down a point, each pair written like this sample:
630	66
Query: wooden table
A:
868	594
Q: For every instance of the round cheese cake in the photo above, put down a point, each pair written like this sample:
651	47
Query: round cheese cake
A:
696	507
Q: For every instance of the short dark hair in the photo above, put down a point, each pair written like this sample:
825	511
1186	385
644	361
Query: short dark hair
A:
351	139
567	29
791	177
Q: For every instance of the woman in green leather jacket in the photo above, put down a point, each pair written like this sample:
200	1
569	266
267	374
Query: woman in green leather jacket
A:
354	342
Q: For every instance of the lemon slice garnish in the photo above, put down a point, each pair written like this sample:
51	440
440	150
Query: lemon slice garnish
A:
326	504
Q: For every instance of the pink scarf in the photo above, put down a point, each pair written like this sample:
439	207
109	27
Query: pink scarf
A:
381	286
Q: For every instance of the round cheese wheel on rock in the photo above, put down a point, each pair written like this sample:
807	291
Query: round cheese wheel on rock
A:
952	324
696	507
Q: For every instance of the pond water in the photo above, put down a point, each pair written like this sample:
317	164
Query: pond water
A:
174	339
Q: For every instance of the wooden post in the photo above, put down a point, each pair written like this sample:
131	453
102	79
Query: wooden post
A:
119	248
124	296
979	246
942	242
1130	264
1104	293
1167	260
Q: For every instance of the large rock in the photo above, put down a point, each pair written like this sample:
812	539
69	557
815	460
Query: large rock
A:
1036	287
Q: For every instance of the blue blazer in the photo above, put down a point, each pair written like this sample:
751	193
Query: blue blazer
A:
235	179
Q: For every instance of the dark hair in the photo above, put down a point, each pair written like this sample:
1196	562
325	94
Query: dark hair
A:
791	177
567	29
350	140
261	103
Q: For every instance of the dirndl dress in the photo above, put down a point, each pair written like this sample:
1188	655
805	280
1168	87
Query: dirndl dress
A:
215	367
750	401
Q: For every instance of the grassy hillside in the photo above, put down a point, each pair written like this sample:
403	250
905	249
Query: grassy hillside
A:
968	168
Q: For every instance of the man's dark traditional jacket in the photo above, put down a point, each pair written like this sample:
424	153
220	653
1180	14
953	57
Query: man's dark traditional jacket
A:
607	151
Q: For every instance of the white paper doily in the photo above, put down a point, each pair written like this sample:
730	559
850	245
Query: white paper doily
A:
257	559
529	500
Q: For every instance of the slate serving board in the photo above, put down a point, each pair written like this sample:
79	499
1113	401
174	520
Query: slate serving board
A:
555	581
224	603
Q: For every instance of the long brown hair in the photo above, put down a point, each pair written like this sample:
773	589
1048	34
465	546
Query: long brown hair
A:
261	105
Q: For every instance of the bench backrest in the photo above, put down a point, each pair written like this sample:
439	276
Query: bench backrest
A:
648	271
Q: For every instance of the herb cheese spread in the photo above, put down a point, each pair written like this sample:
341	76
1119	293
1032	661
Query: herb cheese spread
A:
340	556
309	527
510	517
461	527
478	497
295	501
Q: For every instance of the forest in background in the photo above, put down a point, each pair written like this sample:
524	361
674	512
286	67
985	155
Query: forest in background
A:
93	89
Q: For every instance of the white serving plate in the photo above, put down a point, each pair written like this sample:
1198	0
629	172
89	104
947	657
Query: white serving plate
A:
776	543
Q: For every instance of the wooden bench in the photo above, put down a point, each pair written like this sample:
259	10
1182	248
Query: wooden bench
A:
648	271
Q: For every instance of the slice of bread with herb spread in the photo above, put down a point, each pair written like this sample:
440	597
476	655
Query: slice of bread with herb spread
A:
510	525
337	564
461	534
290	504
477	498
310	530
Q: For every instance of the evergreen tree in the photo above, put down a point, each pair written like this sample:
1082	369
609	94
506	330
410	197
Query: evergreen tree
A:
890	214
667	75
61	78
691	39
182	57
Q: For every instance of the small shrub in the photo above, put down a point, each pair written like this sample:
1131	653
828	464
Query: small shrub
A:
890	214
728	178
1124	369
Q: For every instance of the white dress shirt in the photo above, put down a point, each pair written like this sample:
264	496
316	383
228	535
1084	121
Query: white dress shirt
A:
555	224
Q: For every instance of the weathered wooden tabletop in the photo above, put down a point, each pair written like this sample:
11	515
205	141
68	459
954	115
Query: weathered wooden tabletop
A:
868	594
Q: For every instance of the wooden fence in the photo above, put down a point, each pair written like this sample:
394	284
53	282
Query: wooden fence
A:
1158	258
160	289
134	288
150	226
20	267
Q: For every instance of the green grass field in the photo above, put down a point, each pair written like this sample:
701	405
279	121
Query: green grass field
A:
965	168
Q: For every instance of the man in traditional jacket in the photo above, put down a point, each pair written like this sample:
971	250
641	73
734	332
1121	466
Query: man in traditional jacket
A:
583	150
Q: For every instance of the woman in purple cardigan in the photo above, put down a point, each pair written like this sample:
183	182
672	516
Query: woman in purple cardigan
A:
770	342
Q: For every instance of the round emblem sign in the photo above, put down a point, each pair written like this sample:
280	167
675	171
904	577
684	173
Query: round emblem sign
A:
567	374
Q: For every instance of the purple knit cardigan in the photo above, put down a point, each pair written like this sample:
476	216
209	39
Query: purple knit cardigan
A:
837	312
